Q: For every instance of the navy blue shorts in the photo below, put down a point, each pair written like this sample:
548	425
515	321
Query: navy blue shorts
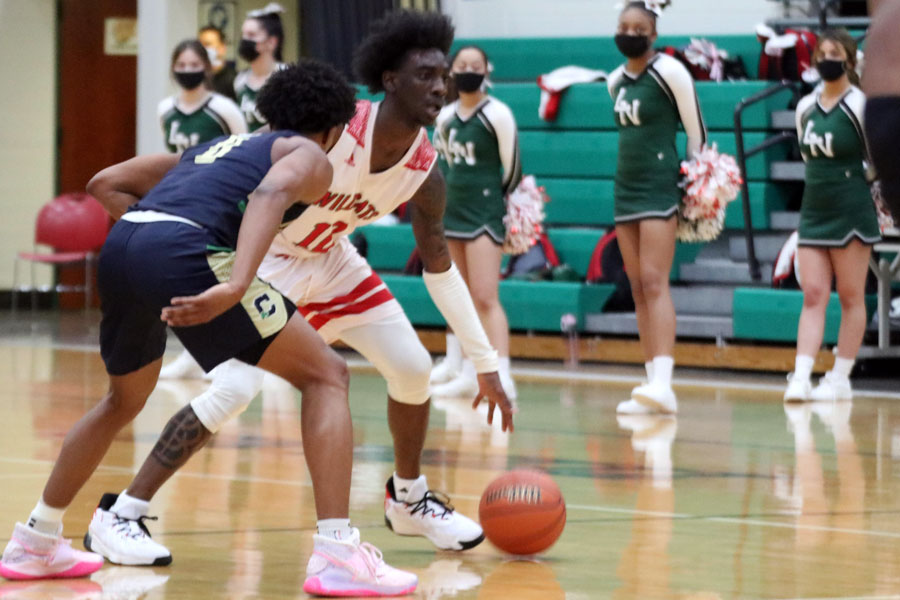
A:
143	266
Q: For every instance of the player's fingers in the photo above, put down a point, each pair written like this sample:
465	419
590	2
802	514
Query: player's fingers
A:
490	415
478	400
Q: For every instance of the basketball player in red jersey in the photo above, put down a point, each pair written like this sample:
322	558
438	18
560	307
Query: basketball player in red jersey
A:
382	159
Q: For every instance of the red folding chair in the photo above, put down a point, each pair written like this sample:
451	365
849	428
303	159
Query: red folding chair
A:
74	226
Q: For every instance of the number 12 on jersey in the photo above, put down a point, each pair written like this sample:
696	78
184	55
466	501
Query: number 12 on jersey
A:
327	243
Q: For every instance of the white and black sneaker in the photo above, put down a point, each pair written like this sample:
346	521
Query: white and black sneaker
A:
123	541
431	515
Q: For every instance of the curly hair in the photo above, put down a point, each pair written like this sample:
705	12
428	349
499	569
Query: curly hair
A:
392	37
307	97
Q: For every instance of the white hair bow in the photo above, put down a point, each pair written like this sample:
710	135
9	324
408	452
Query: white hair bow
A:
272	8
654	6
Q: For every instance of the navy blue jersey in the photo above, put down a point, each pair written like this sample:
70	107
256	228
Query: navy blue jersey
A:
211	183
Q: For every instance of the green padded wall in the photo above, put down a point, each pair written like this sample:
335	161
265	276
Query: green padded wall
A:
772	314
523	59
588	106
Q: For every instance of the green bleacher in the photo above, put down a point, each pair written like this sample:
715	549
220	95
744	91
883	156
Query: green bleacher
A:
574	158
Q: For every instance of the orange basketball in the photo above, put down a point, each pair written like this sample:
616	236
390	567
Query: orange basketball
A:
522	512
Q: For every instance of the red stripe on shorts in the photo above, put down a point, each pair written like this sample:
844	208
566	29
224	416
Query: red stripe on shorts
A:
367	285
377	299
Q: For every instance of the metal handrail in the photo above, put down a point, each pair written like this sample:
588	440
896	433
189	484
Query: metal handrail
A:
743	155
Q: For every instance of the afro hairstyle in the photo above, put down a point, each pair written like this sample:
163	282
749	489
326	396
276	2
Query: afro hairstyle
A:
392	37
307	97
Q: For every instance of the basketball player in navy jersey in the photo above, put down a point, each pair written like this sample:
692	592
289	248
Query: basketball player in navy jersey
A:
191	234
382	159
881	82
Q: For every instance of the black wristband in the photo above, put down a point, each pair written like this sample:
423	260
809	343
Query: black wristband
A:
883	136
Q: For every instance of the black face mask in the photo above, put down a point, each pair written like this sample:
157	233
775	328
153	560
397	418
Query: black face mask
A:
247	50
190	80
468	82
632	46
831	70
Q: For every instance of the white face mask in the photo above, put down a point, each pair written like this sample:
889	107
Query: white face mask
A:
214	57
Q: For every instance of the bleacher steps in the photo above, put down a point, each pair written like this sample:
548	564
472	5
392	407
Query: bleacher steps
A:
783	119
787	170
767	245
688	326
784	220
723	270
703	299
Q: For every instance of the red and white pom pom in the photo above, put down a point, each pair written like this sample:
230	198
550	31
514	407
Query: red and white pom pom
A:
711	181
524	216
885	218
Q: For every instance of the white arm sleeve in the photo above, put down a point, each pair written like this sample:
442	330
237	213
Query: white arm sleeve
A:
229	112
674	78
613	81
500	119
164	106
451	296
803	107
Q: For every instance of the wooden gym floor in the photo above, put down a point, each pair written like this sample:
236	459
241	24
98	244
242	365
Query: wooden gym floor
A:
739	497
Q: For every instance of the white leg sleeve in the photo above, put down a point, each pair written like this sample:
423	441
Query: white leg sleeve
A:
393	346
234	386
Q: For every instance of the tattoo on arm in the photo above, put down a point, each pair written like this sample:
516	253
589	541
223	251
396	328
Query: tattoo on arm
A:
427	210
184	434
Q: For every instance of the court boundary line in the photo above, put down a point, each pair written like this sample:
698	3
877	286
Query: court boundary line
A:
111	470
541	374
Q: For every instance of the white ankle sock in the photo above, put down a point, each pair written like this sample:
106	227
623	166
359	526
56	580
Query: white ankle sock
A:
803	366
402	487
129	507
648	366
46	519
454	351
337	529
843	367
662	370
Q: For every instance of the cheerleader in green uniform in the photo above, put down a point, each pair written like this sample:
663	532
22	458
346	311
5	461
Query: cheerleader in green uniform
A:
262	36
652	94
195	114
838	223
478	152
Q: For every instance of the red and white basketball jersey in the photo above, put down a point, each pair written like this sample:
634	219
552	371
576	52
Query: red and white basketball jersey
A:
357	196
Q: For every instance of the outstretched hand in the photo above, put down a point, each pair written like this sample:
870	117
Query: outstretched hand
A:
489	389
186	311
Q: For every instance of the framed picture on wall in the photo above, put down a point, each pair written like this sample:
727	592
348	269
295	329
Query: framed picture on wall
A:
221	14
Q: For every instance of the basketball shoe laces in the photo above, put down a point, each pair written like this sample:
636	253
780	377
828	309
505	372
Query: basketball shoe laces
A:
133	528
371	556
433	497
47	558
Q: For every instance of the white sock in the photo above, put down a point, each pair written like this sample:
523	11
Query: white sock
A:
843	367
402	487
803	366
336	529
129	507
662	370
648	366
454	351
46	519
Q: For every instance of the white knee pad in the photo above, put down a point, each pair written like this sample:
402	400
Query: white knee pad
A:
407	381
234	386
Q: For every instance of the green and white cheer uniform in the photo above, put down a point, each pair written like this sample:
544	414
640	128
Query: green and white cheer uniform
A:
479	157
837	204
648	108
185	127
246	97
